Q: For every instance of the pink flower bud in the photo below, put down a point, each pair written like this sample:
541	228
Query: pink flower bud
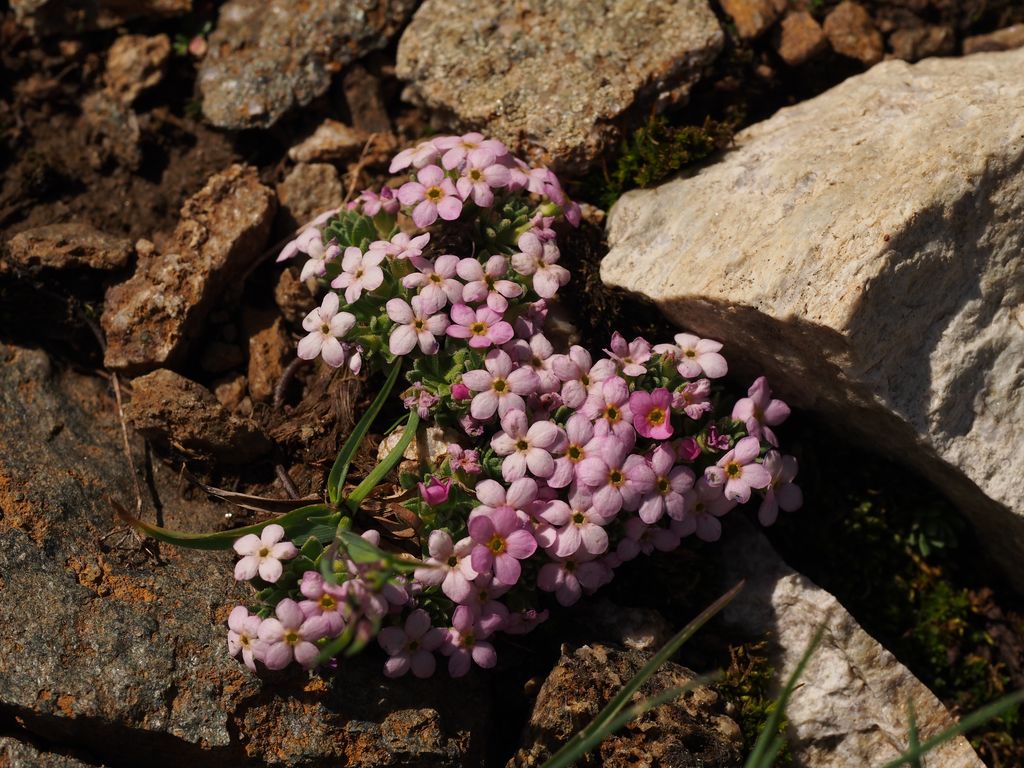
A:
436	491
460	391
687	449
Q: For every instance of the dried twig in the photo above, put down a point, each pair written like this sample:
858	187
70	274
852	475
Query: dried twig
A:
286	377
127	445
286	481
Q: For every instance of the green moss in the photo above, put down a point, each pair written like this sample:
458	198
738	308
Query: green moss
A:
747	685
658	150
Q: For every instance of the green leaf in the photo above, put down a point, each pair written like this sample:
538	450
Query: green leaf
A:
336	480
293	522
769	742
607	720
981	716
381	470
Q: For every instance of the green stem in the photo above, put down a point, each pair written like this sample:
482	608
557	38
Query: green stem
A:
336	480
380	471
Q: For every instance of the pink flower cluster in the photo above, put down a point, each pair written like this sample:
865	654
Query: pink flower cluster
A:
568	467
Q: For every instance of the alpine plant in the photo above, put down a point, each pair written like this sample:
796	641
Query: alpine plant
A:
561	463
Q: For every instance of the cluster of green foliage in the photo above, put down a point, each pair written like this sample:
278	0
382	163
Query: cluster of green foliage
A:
659	149
747	685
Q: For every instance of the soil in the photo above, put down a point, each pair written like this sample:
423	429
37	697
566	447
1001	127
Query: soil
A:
57	166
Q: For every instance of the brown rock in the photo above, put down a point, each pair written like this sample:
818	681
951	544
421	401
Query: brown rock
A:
292	296
921	42
330	141
269	353
365	101
1000	40
219	356
309	190
753	17
852	33
689	730
74	246
230	391
135	63
48	17
170	409
150	319
800	39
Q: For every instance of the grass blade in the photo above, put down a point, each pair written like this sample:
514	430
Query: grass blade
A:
769	742
336	480
971	721
380	471
291	521
599	727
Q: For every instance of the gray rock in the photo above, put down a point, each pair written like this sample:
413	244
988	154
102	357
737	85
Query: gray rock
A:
73	246
864	250
113	129
267	57
850	709
307	191
150	319
554	78
122	656
50	17
21	754
688	732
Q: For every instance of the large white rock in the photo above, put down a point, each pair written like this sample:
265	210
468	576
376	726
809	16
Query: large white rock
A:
850	709
866	250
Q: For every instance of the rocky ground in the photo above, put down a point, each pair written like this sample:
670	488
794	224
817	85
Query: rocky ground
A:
863	247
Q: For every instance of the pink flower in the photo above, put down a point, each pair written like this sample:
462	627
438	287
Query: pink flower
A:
704	505
652	413
670	487
578	526
483	327
401	246
525	448
697	356
371	203
499	388
457	148
436	280
435	492
630	357
416	324
422	154
311	242
243	636
573	371
419	397
291	635
411	648
326	325
687	448
487	283
479	176
433	194
463	459
451	566
525	621
263	554
568	578
693	398
359	272
616	478
738	471
321	600
501	542
538	354
759	412
609	408
539	259
640	537
782	493
580	442
465	644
